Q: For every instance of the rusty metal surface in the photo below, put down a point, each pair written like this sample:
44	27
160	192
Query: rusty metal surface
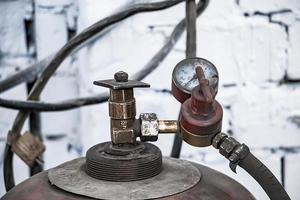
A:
123	162
177	176
212	186
178	94
198	130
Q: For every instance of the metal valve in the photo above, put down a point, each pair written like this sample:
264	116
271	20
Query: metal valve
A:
122	111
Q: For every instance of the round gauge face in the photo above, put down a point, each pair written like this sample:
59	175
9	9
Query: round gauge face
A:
185	78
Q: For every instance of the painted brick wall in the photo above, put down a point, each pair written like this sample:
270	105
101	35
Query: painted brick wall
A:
255	45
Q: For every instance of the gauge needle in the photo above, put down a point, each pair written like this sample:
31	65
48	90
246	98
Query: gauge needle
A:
193	78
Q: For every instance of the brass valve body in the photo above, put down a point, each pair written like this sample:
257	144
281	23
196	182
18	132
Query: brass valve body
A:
122	112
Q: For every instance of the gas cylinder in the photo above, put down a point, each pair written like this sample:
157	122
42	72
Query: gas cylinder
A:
130	166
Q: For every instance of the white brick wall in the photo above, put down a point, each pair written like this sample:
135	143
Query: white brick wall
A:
255	45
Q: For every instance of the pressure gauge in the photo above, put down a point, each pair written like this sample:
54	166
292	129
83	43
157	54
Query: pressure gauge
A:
184	77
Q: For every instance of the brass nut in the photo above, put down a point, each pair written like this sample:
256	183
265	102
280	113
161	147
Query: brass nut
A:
28	148
227	146
149	126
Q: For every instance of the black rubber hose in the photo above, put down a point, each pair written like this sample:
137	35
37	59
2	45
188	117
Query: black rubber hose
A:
176	148
239	154
26	75
264	177
7	171
35	127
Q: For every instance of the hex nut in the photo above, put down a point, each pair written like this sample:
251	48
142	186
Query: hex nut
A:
227	146
149	126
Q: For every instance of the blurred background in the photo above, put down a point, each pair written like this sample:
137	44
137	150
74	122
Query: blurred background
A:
255	44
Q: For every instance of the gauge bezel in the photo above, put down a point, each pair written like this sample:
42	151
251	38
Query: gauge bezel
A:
182	93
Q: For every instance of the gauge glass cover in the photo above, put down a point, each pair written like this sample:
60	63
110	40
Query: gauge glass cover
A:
184	74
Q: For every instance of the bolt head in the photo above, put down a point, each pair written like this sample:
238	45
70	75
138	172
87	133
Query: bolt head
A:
121	76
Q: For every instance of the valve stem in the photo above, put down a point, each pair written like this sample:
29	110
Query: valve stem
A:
204	85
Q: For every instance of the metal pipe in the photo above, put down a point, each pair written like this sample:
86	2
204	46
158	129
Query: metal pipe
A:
191	14
168	126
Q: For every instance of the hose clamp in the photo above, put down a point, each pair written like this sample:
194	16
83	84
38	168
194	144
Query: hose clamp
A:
230	149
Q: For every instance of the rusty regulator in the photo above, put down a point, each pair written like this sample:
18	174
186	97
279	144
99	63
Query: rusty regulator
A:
130	166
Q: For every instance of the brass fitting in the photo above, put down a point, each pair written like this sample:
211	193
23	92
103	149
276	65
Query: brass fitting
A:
122	109
151	126
168	126
122	113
